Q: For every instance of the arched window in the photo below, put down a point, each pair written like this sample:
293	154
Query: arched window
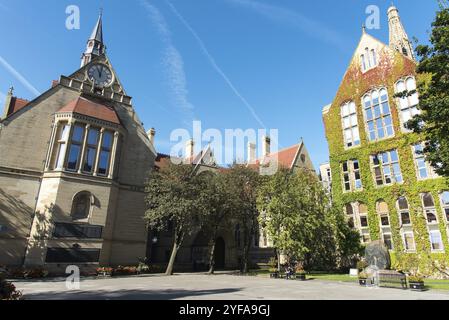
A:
404	212
408	237
368	59
350	124
81	206
363	62
408	104
385	226
436	241
378	115
429	208
350	215
445	203
363	220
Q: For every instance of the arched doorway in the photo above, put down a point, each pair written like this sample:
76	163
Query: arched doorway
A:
220	253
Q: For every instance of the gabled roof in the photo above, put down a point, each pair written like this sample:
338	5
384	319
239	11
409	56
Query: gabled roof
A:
15	105
386	55
88	108
285	158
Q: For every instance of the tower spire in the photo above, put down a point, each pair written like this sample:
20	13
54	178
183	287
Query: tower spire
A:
95	45
398	37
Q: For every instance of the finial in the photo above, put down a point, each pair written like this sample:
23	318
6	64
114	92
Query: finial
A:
101	11
363	28
11	91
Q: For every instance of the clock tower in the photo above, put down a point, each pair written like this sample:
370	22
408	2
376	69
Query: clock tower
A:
95	46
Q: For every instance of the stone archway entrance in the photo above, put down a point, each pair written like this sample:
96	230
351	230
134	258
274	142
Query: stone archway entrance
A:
220	254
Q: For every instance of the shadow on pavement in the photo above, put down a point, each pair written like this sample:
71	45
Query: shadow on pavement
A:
125	294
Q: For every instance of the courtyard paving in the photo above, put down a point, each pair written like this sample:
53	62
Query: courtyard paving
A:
216	287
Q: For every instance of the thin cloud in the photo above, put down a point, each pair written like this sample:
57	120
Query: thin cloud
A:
19	77
172	61
215	65
294	19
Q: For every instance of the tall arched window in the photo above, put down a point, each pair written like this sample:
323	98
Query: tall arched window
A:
408	237
378	115
363	222
445	203
350	215
350	124
81	206
404	212
408	104
368	59
436	241
385	225
429	208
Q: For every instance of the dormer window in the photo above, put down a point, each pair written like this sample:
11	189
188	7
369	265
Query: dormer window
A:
368	59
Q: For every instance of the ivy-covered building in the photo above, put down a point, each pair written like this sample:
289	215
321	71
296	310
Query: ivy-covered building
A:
388	190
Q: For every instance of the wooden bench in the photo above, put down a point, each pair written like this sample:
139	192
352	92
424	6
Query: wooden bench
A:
392	279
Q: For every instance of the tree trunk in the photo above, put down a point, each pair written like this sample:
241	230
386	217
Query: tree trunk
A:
246	249
212	250
278	255
212	257
171	263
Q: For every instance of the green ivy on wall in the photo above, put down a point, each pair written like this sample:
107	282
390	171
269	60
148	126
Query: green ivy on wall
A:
354	86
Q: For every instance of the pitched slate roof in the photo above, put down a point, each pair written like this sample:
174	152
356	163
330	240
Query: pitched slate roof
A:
285	157
91	109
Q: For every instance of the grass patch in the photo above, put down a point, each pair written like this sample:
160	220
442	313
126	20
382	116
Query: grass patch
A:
436	284
332	277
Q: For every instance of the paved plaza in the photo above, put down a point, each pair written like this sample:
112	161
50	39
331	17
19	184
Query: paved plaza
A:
216	287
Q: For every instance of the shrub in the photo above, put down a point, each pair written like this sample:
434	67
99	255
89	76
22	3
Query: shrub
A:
8	291
273	264
415	279
35	273
21	273
300	270
362	265
143	268
124	271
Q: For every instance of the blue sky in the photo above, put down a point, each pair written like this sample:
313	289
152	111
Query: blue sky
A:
229	63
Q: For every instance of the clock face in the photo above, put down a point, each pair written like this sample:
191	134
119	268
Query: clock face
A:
100	75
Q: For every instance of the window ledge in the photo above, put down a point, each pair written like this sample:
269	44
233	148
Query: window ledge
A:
383	139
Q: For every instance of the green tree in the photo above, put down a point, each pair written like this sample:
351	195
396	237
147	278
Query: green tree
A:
221	206
299	219
242	183
433	86
176	196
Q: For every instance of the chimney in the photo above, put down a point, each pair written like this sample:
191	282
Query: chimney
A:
7	103
190	146
266	146
251	153
151	134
